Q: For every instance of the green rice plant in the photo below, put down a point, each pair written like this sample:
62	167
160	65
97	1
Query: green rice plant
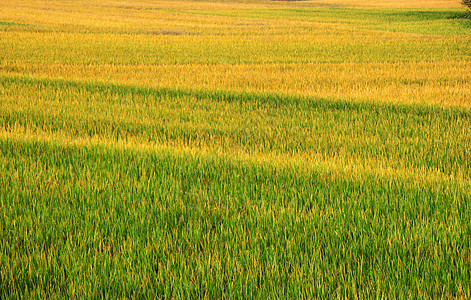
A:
91	220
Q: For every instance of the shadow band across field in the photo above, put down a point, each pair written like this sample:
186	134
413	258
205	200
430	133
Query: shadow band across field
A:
271	99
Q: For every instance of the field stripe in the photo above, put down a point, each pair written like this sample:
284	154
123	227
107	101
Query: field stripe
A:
334	167
274	100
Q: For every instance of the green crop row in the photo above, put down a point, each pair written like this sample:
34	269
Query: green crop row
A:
93	220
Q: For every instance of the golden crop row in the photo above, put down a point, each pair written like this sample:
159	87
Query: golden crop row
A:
427	83
254	46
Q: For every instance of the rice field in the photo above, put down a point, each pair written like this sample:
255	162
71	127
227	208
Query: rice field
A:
235	149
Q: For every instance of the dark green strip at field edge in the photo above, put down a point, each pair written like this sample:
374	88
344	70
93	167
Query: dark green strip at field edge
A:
88	220
419	21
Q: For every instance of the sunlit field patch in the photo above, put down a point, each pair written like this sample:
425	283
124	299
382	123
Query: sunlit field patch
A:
235	149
